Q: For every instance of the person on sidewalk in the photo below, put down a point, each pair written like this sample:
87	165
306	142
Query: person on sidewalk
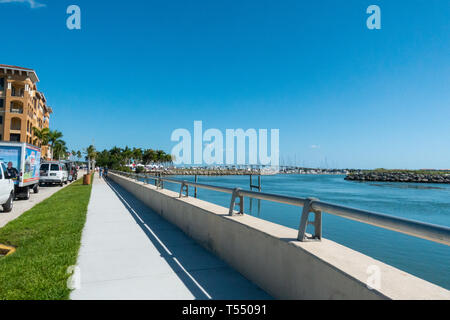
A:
100	172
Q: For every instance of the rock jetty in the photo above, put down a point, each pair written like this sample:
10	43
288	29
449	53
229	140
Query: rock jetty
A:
399	177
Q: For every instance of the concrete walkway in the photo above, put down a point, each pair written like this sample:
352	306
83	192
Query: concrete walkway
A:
130	252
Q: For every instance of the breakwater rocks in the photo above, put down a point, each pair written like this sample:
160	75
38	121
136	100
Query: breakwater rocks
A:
399	177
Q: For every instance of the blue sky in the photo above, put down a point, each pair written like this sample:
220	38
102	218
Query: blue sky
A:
341	95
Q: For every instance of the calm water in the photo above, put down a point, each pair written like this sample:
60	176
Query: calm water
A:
423	202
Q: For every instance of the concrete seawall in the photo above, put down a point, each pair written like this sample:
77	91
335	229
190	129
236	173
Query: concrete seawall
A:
269	254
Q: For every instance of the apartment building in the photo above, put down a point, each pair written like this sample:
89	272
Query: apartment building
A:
22	106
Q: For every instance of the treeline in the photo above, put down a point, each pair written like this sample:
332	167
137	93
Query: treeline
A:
118	158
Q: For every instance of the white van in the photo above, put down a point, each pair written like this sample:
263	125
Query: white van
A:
54	173
6	190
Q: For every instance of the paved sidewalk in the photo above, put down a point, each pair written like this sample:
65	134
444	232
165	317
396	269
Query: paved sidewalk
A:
130	252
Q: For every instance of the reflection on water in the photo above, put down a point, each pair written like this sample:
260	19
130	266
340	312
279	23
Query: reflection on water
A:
255	212
405	186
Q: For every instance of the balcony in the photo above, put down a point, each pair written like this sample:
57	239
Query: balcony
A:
16	111
17	92
16	108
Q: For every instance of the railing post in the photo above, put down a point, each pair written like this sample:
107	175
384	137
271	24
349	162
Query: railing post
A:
237	194
184	188
195	190
304	222
159	183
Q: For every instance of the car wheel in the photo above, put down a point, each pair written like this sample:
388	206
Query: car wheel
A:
27	194
36	188
8	206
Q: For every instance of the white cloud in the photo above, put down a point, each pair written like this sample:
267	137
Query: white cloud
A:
315	146
33	3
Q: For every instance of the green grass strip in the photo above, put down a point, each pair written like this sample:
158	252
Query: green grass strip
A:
47	238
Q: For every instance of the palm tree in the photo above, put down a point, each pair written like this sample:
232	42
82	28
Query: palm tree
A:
168	158
41	137
91	154
149	156
115	151
137	154
160	156
53	138
79	155
59	149
127	153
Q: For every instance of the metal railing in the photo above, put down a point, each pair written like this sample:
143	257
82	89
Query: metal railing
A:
431	232
17	111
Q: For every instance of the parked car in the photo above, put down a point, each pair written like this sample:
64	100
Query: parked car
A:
72	169
6	190
54	172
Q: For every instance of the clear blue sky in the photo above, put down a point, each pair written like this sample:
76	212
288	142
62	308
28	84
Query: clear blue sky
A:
337	91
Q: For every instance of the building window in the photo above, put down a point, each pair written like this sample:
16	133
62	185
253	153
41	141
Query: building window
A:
2	84
2	103
1	119
16	124
14	138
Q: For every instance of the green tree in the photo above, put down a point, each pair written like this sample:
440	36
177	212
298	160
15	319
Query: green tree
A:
127	154
54	137
41	137
149	156
168	159
91	154
160	156
59	149
137	154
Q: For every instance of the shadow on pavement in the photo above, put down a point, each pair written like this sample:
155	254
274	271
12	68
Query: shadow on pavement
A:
203	273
